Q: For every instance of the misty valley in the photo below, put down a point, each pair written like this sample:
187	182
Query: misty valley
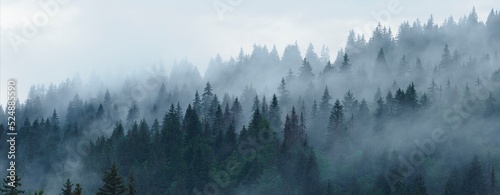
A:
412	110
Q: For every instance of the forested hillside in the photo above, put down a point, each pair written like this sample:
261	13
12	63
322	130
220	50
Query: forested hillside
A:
412	110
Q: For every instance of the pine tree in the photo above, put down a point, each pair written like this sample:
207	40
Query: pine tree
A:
133	114
324	105
328	69
424	100
172	136
10	187
131	185
236	111
363	111
162	95
314	111
230	138
284	94
100	112
113	183
433	90
197	104
446	59
346	64
336	123
474	179
207	98
411	97
349	103
312	181
264	107
78	190
275	114
306	73
67	188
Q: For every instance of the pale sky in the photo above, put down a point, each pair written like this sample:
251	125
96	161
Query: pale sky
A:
40	45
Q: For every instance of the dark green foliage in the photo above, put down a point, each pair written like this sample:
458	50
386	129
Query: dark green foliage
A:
275	114
336	124
7	188
67	188
78	190
113	183
312	181
474	181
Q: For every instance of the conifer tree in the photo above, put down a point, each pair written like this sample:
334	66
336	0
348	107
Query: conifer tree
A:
8	189
275	114
78	190
306	73
113	183
346	64
67	188
236	111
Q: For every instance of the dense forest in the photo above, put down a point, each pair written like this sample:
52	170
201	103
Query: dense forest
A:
407	112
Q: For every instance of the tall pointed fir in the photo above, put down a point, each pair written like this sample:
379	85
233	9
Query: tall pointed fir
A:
113	183
275	114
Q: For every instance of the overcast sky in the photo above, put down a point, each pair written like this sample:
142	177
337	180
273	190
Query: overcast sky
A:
81	36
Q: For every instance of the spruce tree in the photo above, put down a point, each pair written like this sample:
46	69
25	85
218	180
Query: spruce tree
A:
312	181
113	183
8	189
325	106
306	73
284	94
67	188
236	111
346	64
474	181
197	104
78	190
275	114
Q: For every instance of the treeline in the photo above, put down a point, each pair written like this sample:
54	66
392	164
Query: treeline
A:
192	149
359	124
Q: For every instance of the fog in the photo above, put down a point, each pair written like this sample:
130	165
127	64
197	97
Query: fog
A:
392	97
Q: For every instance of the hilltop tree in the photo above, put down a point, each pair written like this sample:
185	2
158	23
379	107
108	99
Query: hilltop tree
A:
306	73
207	98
